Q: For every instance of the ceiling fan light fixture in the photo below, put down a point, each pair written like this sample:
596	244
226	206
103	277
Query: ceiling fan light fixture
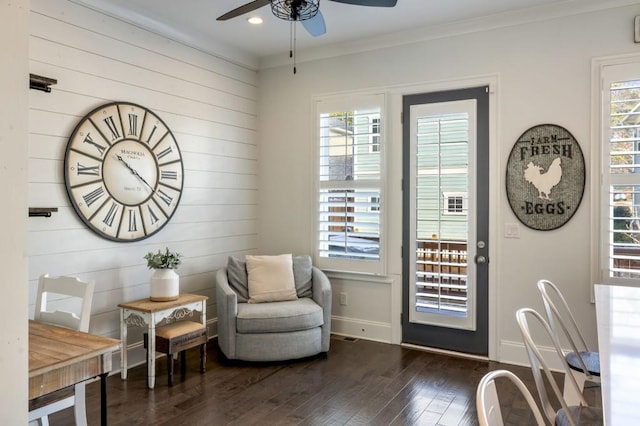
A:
295	10
255	20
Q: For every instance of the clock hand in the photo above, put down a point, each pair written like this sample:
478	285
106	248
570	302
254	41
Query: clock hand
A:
134	172
124	162
142	179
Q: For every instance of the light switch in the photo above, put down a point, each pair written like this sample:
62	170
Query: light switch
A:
511	230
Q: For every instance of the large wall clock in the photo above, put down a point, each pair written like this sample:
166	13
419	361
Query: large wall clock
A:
123	171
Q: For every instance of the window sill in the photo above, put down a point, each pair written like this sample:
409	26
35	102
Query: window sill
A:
358	276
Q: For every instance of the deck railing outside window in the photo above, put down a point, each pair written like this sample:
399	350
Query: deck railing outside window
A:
441	275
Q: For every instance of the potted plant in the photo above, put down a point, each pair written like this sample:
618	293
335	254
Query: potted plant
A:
165	282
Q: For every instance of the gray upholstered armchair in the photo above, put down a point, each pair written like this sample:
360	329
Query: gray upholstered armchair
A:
274	330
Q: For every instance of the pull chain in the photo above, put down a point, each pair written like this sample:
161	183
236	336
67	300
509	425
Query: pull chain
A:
292	44
291	39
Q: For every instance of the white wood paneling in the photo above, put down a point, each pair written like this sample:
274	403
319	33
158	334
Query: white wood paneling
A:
210	106
81	17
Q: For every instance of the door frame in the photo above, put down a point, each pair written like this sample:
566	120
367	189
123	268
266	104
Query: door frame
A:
471	335
495	197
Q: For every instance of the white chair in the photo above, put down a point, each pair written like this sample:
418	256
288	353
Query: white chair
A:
584	363
76	297
488	403
567	414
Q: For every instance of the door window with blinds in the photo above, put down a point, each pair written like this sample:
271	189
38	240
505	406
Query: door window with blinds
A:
349	182
442	224
620	159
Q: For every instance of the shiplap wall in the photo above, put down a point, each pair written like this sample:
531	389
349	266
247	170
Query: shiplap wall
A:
210	105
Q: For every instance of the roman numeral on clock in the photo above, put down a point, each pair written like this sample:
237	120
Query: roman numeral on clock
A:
133	125
153	216
88	170
151	134
111	214
164	153
165	197
93	196
90	141
132	221
115	134
168	174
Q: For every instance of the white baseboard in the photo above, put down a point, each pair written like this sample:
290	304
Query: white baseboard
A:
515	353
444	352
376	331
510	352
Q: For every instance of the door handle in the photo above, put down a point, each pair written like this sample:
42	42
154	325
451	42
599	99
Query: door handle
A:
481	259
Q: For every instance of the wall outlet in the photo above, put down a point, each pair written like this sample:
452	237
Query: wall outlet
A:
343	299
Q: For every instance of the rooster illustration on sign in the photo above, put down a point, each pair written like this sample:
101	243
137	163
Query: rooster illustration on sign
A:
544	181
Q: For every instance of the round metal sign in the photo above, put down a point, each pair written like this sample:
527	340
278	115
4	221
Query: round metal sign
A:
545	177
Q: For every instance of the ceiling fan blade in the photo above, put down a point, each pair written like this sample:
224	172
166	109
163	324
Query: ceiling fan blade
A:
315	26
375	3
245	8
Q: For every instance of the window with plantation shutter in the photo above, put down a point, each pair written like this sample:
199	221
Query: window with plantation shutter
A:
349	180
620	190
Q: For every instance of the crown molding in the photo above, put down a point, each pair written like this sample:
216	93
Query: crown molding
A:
199	42
415	35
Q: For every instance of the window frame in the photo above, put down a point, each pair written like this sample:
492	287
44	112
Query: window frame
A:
454	195
351	102
604	71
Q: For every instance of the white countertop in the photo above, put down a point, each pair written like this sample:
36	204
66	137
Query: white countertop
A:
618	318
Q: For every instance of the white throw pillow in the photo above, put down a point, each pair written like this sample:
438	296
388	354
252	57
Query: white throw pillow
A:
270	278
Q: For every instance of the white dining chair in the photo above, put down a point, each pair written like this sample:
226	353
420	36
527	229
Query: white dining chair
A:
584	363
488	403
567	414
63	301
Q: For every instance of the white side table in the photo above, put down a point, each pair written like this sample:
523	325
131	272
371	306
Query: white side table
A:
145	313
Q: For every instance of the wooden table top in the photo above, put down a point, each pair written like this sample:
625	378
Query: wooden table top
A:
58	356
148	306
52	347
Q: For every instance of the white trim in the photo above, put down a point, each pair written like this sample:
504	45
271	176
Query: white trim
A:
496	195
392	244
515	353
357	276
469	106
443	352
369	330
515	18
348	101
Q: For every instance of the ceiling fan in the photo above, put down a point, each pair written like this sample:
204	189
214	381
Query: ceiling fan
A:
305	11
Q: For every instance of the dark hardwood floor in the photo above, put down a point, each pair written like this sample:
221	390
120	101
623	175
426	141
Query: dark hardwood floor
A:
357	383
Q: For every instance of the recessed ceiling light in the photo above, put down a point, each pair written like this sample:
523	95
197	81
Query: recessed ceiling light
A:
255	20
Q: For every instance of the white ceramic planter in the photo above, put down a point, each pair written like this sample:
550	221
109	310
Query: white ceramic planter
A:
165	285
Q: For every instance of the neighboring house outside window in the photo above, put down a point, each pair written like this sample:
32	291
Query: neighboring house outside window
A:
375	134
349	185
454	203
374	204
